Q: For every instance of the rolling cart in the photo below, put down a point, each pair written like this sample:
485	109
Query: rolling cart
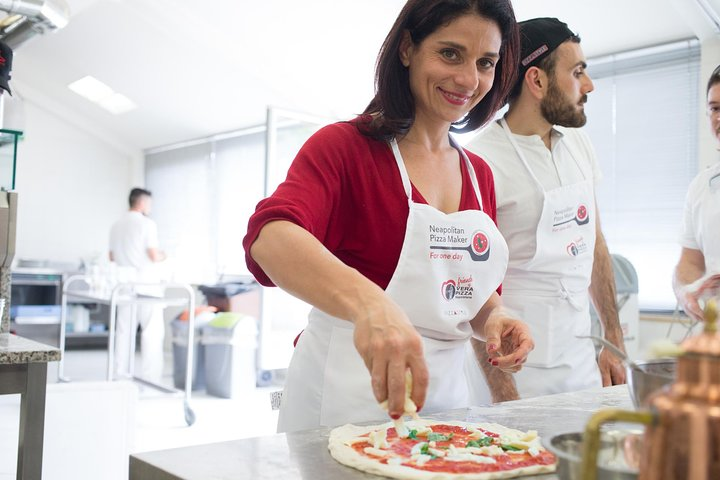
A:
124	294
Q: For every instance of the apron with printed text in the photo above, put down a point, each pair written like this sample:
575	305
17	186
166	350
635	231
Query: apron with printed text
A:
449	265
550	291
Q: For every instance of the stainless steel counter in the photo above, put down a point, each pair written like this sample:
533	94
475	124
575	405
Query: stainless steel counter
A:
304	455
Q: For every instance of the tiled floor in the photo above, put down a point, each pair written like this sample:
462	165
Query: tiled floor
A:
156	420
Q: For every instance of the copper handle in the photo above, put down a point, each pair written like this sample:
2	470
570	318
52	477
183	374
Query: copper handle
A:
591	439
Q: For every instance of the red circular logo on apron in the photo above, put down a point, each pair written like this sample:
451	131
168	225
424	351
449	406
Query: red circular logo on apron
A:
582	212
448	290
480	243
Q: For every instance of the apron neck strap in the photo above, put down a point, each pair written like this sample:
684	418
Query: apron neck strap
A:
521	155
406	178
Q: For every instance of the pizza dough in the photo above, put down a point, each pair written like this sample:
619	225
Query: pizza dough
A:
441	451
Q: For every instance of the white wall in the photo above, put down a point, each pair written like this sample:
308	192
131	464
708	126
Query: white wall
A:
710	59
72	184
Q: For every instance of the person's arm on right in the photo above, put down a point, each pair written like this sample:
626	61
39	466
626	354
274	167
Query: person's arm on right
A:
500	383
691	265
690	268
388	343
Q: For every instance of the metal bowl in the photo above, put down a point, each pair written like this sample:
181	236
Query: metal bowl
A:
648	376
618	457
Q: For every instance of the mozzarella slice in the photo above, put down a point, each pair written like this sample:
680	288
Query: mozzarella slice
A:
409	408
378	438
417	447
469	457
420	459
437	452
376	451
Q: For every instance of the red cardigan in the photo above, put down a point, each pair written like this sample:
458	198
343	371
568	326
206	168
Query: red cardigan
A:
345	189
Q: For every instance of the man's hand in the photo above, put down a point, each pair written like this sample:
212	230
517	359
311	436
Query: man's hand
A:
389	345
690	268
612	369
690	305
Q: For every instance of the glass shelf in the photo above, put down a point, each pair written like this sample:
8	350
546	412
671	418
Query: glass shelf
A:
8	157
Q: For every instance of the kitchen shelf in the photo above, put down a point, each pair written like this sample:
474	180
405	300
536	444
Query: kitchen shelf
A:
8	157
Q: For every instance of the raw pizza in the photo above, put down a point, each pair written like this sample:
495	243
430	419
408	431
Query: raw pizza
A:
441	450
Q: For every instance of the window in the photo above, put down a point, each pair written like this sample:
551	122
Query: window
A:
643	122
205	191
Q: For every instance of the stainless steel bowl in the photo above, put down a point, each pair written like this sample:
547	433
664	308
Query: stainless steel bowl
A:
618	457
648	376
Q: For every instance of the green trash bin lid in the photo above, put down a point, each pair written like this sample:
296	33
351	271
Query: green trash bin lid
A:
225	320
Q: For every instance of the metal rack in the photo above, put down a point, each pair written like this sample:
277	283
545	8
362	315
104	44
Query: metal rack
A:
124	294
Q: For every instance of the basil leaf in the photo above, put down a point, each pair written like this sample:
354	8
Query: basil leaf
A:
486	441
482	442
424	449
413	434
510	448
438	437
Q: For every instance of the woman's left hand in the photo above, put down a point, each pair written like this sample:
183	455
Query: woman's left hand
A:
508	341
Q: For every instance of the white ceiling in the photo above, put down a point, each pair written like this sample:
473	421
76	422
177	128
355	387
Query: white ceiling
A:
196	68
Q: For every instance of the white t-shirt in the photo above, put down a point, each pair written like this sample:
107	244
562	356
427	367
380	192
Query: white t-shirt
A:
519	199
130	238
701	221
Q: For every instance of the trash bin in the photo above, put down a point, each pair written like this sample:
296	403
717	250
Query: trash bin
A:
230	342
222	295
179	328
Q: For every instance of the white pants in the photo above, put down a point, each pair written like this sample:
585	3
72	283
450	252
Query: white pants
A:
152	325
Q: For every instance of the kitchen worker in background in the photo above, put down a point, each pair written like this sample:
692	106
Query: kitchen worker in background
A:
134	247
700	238
6	57
380	214
545	171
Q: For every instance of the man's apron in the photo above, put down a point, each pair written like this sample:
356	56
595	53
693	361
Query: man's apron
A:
550	292
449	265
710	225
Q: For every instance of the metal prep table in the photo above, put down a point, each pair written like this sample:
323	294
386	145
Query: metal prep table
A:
304	455
124	294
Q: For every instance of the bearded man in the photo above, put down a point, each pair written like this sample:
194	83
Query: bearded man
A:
545	174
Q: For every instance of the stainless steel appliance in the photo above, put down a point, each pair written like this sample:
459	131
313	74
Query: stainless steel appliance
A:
35	304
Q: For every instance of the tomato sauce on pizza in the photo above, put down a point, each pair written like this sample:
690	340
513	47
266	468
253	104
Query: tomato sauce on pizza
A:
452	448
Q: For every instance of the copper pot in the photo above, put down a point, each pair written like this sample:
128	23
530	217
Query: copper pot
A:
682	433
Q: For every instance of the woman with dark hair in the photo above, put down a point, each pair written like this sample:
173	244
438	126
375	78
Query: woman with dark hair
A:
387	228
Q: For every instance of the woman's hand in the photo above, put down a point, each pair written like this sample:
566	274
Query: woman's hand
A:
390	345
507	339
386	340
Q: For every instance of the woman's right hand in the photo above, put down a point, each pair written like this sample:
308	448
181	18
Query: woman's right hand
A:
389	345
386	340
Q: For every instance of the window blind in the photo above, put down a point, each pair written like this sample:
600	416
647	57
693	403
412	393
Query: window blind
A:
643	122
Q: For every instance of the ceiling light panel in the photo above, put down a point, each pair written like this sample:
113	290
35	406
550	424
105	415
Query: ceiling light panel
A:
96	91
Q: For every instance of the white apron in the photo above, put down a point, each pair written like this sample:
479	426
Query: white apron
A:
550	292
448	267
